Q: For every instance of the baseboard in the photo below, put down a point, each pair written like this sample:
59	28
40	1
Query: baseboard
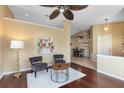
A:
11	72
110	75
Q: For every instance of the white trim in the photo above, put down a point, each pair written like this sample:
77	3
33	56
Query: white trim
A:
5	18
6	73
109	56
121	78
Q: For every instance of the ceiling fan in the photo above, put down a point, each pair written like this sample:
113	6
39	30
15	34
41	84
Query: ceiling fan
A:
66	10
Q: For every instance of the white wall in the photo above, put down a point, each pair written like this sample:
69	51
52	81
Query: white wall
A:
111	65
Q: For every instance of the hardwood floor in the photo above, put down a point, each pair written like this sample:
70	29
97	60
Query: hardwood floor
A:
91	80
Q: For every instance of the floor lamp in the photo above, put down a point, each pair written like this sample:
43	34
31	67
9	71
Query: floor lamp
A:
17	46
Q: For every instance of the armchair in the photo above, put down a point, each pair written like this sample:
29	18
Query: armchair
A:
58	58
37	64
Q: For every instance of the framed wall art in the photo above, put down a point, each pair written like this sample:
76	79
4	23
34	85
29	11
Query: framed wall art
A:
45	45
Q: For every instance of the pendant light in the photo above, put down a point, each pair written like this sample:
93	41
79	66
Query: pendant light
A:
106	25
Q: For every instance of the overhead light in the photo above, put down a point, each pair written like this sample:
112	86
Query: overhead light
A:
105	28
61	9
26	14
106	25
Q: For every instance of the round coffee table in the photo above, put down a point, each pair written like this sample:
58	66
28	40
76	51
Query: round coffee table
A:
60	72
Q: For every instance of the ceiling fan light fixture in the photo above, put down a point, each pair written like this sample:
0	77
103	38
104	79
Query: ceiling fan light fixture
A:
61	10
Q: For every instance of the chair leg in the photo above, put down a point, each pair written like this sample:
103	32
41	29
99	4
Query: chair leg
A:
35	74
47	69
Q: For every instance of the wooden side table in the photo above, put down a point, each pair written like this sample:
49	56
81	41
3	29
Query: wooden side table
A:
59	71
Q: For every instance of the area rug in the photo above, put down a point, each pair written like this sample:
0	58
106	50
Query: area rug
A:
43	79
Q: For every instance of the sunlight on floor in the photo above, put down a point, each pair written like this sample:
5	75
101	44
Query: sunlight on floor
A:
84	62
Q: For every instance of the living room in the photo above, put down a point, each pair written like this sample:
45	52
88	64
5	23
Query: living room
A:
31	37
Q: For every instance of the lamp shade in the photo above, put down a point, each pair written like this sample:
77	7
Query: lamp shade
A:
16	44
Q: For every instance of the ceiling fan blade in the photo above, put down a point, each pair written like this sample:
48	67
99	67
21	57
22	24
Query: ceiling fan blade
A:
68	14
49	5
54	14
77	7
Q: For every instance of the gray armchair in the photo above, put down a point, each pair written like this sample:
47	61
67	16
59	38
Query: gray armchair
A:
58	58
37	64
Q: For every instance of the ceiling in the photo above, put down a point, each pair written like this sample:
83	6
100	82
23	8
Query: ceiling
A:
83	20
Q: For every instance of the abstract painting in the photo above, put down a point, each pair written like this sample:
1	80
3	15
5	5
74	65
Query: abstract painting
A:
45	46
